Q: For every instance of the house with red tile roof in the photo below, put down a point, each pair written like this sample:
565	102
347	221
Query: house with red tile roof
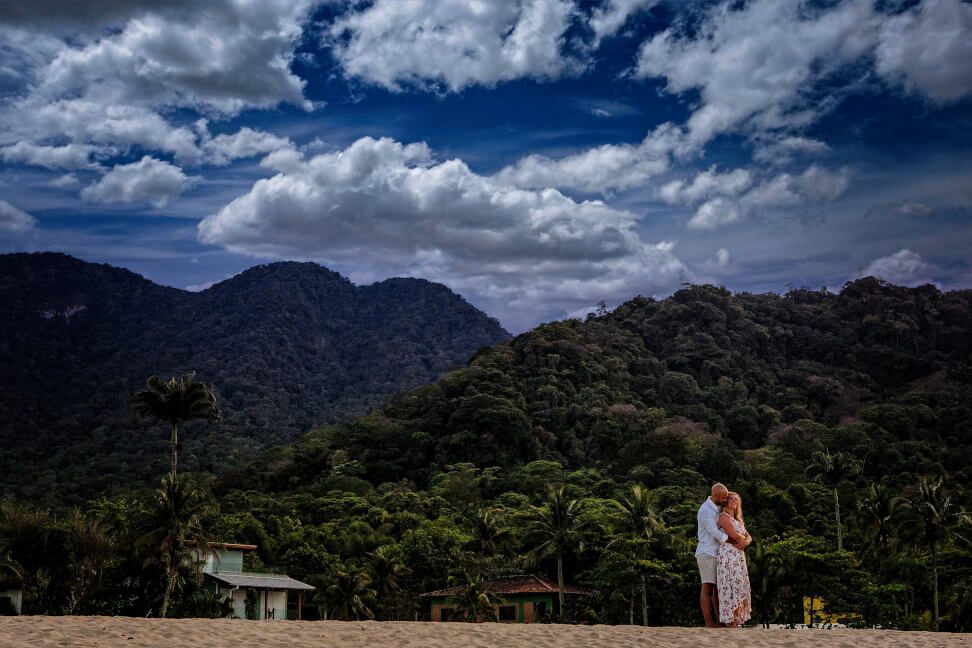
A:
525	598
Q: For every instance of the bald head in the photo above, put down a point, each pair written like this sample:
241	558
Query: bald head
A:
719	493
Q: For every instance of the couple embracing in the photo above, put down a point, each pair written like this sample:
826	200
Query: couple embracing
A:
722	560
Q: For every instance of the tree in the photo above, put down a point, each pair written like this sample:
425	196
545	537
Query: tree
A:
640	520
90	547
556	528
474	602
876	512
347	594
173	532
387	568
177	401
832	470
936	516
765	568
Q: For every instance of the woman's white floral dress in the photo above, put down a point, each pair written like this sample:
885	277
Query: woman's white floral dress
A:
732	581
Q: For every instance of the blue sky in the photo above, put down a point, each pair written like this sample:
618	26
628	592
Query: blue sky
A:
536	156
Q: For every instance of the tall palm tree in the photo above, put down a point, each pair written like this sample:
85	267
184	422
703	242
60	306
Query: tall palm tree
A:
387	568
936	517
640	519
474	603
832	470
173	532
177	401
556	527
347	594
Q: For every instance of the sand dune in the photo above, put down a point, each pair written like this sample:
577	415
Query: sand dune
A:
208	633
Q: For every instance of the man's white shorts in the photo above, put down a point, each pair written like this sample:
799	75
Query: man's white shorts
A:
707	567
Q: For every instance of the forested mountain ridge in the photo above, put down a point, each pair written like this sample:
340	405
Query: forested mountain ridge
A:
703	367
287	346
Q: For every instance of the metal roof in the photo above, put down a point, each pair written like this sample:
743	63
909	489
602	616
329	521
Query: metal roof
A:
259	581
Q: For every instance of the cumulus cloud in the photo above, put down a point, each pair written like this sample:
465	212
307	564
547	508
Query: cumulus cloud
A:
754	65
381	203
727	202
453	43
148	179
706	185
14	220
903	268
246	142
68	157
928	49
231	56
601	169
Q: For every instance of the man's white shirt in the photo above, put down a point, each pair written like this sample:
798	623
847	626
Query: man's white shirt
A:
710	535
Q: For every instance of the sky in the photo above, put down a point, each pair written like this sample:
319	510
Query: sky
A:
536	156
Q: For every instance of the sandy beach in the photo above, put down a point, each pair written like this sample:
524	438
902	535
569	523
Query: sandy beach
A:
235	633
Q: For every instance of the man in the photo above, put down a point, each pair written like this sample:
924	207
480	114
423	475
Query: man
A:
707	553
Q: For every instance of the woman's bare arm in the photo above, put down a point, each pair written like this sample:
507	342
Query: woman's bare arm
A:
725	523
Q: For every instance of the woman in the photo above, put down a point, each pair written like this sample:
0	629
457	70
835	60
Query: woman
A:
732	580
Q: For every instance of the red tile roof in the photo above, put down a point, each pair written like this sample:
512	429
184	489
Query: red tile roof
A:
522	584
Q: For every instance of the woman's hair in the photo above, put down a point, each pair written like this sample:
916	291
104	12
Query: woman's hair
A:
725	507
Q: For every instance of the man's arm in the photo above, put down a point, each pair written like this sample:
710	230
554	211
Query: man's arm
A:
711	524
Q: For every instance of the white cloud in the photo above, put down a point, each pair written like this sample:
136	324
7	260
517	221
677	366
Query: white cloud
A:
778	150
753	65
706	185
383	204
231	56
903	268
715	213
68	157
608	18
453	43
719	262
13	220
246	142
929	49
729	204
601	169
66	181
148	179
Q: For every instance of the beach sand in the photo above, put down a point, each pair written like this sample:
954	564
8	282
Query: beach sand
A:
235	633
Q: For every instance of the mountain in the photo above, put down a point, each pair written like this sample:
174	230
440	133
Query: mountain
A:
687	383
287	346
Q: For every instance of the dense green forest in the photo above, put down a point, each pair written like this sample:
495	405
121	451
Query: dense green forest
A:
844	421
288	346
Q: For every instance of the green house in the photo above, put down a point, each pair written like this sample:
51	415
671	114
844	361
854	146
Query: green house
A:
525	599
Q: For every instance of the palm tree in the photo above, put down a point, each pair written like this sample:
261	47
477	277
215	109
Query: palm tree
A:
765	567
556	527
387	568
177	401
936	516
488	532
832	470
173	532
474	603
347	594
876	512
640	518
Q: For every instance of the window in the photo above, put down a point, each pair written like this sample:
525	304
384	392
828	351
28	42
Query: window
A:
446	614
507	613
